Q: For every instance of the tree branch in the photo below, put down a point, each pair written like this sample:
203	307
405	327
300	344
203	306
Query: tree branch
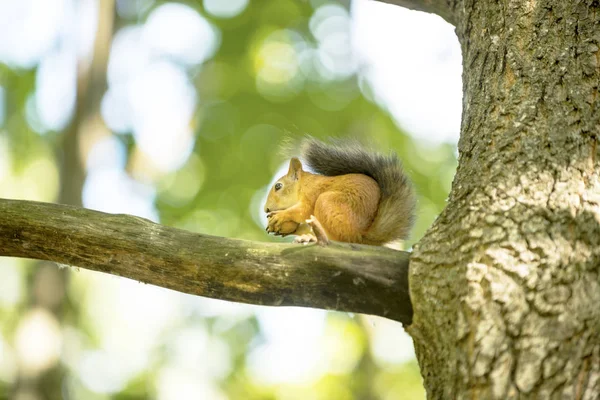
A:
341	276
443	8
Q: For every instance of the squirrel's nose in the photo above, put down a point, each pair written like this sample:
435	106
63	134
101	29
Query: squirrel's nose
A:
267	210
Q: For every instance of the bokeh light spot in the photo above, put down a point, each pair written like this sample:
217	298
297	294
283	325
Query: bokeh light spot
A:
101	373
277	62
343	344
110	189
180	32
129	55
330	25
133	9
11	284
179	187
195	350
177	383
55	89
225	8
390	344
106	152
277	65
292	351
28	28
163	102
37	341
38	181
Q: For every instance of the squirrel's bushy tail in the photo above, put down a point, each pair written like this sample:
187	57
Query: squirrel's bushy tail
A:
395	215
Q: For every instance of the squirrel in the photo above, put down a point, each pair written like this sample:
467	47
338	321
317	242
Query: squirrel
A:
356	195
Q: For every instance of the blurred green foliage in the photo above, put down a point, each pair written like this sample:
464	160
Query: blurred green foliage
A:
265	81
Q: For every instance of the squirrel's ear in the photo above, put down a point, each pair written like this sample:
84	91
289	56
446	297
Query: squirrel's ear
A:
295	168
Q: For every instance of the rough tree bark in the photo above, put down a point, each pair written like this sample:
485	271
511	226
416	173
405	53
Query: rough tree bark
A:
334	278
505	285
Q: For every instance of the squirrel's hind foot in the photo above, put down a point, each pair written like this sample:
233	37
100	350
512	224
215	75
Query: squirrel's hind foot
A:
319	232
305	239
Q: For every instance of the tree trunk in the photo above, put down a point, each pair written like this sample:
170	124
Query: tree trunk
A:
48	287
505	285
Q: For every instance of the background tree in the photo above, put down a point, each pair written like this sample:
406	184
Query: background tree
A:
249	76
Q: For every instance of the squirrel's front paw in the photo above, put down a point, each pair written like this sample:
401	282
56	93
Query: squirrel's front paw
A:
274	224
279	225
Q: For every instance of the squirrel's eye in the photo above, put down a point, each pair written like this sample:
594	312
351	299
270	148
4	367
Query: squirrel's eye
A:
278	186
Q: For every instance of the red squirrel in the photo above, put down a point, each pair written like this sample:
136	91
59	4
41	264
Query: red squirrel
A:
356	195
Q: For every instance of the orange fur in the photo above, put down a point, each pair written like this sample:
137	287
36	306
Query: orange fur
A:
345	205
355	196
